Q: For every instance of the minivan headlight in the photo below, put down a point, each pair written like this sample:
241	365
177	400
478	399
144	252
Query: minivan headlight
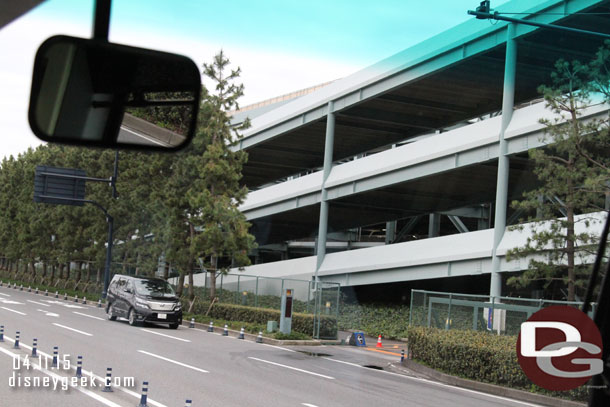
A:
142	303
177	307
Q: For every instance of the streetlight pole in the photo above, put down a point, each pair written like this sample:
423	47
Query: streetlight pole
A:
110	221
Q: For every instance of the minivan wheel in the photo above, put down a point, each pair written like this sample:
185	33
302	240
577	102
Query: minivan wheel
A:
110	312
132	317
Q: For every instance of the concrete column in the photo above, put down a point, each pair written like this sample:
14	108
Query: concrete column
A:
390	232
434	225
328	161
508	102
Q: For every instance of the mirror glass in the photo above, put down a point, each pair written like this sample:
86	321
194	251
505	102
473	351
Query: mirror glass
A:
98	93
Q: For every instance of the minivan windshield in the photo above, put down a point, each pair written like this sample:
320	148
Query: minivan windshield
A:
154	288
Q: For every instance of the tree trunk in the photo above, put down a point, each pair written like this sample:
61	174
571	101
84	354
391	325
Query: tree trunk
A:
60	271
570	253
33	267
79	270
214	263
138	258
191	286
180	287
166	271
98	275
190	268
44	269
52	272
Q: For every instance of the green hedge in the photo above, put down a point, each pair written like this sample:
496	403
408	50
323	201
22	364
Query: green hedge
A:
93	291
476	355
302	323
391	321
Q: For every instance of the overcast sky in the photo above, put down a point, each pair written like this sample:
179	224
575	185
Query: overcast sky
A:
280	45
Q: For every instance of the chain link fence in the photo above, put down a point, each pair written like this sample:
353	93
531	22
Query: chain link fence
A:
266	292
502	315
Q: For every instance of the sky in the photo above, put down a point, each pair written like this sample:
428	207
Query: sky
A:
280	45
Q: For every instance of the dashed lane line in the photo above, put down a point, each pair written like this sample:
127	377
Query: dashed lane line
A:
292	368
173	361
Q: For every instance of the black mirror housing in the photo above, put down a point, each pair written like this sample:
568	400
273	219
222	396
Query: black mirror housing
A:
95	93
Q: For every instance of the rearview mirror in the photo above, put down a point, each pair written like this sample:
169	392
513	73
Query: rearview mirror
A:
96	93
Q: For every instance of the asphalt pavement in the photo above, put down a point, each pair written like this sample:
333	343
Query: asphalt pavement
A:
190	363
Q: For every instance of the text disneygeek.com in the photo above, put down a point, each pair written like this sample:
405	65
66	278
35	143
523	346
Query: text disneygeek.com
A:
20	377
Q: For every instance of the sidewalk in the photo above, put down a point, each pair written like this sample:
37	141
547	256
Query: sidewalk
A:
389	346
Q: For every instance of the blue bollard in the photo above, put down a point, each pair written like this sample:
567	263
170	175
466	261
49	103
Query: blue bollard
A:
55	362
144	395
79	366
108	380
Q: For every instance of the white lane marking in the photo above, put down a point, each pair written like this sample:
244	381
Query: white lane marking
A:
167	336
279	347
63	304
292	368
61	378
39	303
2	300
48	314
308	405
73	306
173	361
6	295
12	310
90	373
72	329
85	315
419	379
145	137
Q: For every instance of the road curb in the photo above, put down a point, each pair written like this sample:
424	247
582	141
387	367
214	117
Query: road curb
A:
489	388
268	341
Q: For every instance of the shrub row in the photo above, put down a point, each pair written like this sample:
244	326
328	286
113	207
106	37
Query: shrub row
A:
302	323
476	355
93	292
391	321
261	300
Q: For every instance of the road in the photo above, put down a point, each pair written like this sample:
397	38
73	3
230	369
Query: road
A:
188	363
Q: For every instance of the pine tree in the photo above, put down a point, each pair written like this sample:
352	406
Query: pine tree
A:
573	174
222	238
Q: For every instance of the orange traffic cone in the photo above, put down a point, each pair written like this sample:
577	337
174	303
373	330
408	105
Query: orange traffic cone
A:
379	345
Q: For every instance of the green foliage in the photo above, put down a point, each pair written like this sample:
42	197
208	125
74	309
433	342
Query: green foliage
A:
477	356
291	336
92	293
180	206
573	174
302	323
390	321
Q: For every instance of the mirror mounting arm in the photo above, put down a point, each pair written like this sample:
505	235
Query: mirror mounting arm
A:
101	24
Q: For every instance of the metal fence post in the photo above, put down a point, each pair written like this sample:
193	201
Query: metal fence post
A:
448	321
256	294
221	279
308	297
237	291
411	308
338	299
282	289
